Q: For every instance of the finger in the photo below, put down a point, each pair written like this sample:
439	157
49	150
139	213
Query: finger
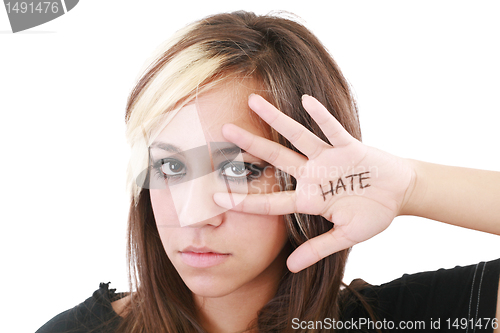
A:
299	136
333	130
277	203
281	157
316	249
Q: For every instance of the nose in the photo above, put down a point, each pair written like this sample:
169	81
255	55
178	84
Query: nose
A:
193	200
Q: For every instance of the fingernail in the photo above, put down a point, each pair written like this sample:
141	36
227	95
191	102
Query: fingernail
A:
223	200
304	96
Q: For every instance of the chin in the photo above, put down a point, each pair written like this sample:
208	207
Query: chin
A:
206	286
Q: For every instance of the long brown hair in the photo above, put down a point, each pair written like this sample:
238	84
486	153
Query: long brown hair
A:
289	61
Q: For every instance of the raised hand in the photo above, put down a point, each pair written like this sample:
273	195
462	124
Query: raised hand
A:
359	188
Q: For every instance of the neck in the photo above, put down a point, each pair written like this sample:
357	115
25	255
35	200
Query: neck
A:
236	312
232	313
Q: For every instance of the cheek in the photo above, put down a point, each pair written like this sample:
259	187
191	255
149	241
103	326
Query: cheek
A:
166	218
163	208
262	237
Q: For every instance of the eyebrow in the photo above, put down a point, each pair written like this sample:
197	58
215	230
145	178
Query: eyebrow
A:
216	153
228	151
166	146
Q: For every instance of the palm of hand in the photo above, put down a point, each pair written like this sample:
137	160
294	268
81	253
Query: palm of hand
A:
359	188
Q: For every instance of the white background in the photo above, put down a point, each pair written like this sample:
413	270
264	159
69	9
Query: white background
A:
425	73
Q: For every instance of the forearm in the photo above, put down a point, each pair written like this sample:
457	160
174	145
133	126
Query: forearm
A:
464	197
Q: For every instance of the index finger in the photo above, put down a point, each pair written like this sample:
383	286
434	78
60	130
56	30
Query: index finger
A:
281	157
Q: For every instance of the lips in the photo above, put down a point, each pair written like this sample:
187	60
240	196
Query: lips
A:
202	257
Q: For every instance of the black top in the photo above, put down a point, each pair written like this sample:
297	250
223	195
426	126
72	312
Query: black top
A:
95	315
459	299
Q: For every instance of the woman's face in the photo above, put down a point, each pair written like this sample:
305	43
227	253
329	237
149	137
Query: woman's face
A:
215	251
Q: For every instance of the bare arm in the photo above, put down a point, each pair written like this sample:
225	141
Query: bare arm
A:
463	197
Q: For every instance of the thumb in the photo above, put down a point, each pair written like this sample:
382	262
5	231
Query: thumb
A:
318	248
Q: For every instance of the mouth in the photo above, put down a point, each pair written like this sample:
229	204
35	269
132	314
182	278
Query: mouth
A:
202	257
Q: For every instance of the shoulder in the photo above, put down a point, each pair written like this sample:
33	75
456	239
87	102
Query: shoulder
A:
95	313
120	305
446	282
445	293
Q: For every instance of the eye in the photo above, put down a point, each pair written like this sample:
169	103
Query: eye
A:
172	168
236	170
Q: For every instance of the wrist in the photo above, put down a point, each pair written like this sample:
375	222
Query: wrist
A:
411	201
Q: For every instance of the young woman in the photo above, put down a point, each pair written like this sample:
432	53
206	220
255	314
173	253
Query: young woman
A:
249	185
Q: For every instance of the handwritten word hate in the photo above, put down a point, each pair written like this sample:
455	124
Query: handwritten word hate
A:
340	184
